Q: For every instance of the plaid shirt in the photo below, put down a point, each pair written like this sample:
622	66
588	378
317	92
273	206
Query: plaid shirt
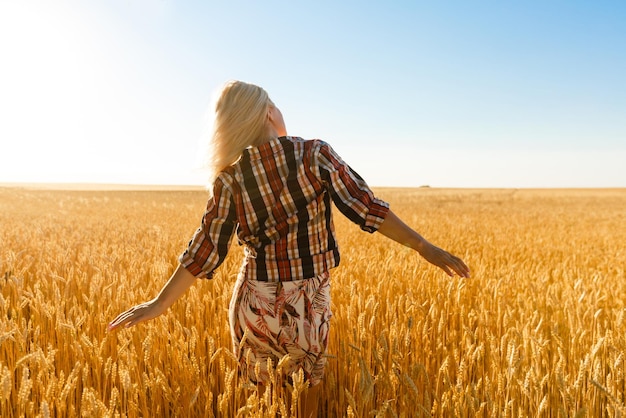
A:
277	199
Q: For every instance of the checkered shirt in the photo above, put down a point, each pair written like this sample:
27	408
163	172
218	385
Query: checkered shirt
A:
276	198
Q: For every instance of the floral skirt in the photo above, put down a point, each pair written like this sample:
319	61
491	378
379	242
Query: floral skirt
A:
279	319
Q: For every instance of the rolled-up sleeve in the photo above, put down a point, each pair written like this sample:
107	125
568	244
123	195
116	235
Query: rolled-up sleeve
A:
210	244
349	191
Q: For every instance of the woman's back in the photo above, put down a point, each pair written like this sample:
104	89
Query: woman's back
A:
278	197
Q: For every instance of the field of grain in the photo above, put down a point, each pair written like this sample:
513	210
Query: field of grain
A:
539	329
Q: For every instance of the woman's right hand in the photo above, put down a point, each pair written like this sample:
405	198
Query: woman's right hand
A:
444	260
393	227
136	314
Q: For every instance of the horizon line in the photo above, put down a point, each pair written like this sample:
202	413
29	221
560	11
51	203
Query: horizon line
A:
102	186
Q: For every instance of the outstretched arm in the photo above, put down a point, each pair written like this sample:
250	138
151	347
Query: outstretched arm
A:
394	228
180	281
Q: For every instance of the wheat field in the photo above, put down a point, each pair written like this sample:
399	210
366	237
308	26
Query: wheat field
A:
539	330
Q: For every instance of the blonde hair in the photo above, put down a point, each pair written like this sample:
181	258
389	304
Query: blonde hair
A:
240	121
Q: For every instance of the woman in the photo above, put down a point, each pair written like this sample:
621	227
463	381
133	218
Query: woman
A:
274	191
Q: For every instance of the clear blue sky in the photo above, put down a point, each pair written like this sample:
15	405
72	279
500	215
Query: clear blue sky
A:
449	94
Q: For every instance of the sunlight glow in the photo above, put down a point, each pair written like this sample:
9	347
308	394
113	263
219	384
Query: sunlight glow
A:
43	85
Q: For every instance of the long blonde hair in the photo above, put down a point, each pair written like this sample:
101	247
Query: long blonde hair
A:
240	121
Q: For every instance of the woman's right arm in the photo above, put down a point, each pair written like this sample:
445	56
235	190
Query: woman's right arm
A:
393	227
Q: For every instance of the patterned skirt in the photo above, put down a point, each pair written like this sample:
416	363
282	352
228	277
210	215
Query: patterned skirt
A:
279	319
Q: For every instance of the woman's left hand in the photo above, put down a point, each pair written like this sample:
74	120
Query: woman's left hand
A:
173	289
136	314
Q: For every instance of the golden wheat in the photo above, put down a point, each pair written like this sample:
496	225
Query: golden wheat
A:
539	330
